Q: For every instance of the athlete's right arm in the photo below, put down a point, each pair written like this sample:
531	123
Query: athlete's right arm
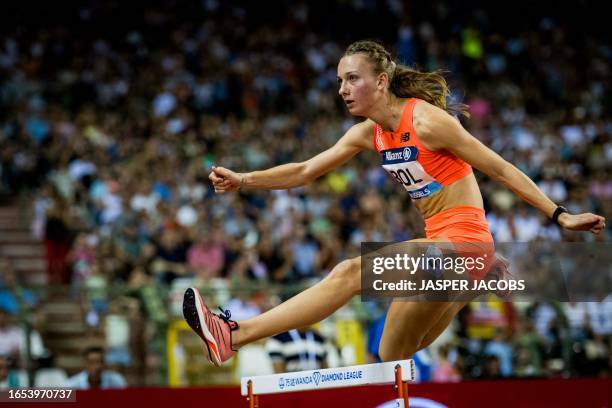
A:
356	139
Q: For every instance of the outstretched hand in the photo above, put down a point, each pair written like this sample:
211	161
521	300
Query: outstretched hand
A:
582	222
225	180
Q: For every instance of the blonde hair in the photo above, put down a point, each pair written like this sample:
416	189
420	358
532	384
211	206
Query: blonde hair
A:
406	82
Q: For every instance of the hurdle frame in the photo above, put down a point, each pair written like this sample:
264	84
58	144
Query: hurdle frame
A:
398	373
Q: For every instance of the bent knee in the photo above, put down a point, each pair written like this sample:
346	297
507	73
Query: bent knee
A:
395	352
389	354
349	272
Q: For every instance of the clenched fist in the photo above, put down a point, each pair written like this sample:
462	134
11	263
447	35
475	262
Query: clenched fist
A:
224	180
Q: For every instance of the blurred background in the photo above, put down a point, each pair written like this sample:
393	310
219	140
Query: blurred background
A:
112	113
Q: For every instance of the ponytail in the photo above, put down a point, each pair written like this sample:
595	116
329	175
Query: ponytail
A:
406	82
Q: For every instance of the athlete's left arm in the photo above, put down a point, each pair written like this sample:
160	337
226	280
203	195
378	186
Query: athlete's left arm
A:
439	130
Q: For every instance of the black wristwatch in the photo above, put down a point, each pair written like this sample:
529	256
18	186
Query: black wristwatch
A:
558	211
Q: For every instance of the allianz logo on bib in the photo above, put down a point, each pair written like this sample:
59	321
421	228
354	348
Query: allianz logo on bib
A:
393	155
404	154
317	378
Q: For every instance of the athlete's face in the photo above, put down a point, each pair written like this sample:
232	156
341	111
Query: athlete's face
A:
360	87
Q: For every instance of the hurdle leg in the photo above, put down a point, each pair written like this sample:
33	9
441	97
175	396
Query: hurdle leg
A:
405	383
401	386
253	399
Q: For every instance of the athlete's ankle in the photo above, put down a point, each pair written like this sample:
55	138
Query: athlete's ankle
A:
237	338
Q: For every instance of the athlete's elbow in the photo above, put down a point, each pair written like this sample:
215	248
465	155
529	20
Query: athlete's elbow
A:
307	174
303	175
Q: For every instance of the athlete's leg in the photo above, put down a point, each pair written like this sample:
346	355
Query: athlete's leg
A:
315	303
308	307
411	325
442	323
500	271
406	326
416	319
222	336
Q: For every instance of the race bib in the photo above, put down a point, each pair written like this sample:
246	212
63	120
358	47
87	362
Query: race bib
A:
402	164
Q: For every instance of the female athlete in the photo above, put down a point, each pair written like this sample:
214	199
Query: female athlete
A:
425	148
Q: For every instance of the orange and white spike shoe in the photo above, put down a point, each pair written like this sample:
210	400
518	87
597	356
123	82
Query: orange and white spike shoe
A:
215	329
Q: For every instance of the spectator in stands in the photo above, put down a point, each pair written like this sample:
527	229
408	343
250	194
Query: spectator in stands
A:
13	296
492	368
445	371
170	257
500	347
297	350
82	256
597	352
577	319
525	365
600	316
207	255
276	259
305	252
48	375
95	374
96	291
131	246
11	337
58	239
528	346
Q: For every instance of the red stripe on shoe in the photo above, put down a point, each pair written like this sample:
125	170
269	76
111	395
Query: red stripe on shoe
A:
214	348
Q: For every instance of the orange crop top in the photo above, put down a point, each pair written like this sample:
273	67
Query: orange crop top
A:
421	171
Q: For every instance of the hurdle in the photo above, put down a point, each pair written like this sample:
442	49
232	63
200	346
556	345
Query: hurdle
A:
398	373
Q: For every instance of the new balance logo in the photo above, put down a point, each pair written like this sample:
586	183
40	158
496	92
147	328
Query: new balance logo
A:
405	136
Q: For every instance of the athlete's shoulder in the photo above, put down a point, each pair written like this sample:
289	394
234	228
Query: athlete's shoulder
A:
425	112
430	122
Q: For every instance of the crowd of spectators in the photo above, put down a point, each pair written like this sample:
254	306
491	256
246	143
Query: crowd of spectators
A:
494	340
112	117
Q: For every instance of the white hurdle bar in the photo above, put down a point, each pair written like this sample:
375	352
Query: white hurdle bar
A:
392	372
